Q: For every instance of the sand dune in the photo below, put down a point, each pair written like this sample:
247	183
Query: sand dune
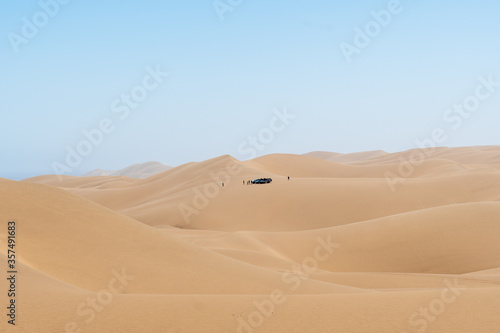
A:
140	170
336	248
93	234
347	158
463	155
320	193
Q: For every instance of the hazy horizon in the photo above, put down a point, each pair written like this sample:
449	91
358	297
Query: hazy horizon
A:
213	157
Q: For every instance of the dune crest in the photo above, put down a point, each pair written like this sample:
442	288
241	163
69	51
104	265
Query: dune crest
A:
140	170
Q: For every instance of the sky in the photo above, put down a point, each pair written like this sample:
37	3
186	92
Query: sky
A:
106	84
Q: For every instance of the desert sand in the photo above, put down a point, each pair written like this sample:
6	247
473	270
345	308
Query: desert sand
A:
139	170
352	243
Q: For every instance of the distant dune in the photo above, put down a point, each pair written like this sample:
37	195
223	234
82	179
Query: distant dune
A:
347	158
466	155
140	170
352	243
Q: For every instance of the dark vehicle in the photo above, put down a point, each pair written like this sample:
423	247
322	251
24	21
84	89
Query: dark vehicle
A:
262	181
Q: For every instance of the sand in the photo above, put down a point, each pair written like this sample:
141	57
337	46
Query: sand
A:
351	243
139	170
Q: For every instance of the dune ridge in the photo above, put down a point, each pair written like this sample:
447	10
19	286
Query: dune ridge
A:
139	170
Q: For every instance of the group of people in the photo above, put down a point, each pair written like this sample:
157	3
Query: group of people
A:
249	182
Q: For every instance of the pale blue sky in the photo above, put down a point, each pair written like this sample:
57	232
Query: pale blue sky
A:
226	77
